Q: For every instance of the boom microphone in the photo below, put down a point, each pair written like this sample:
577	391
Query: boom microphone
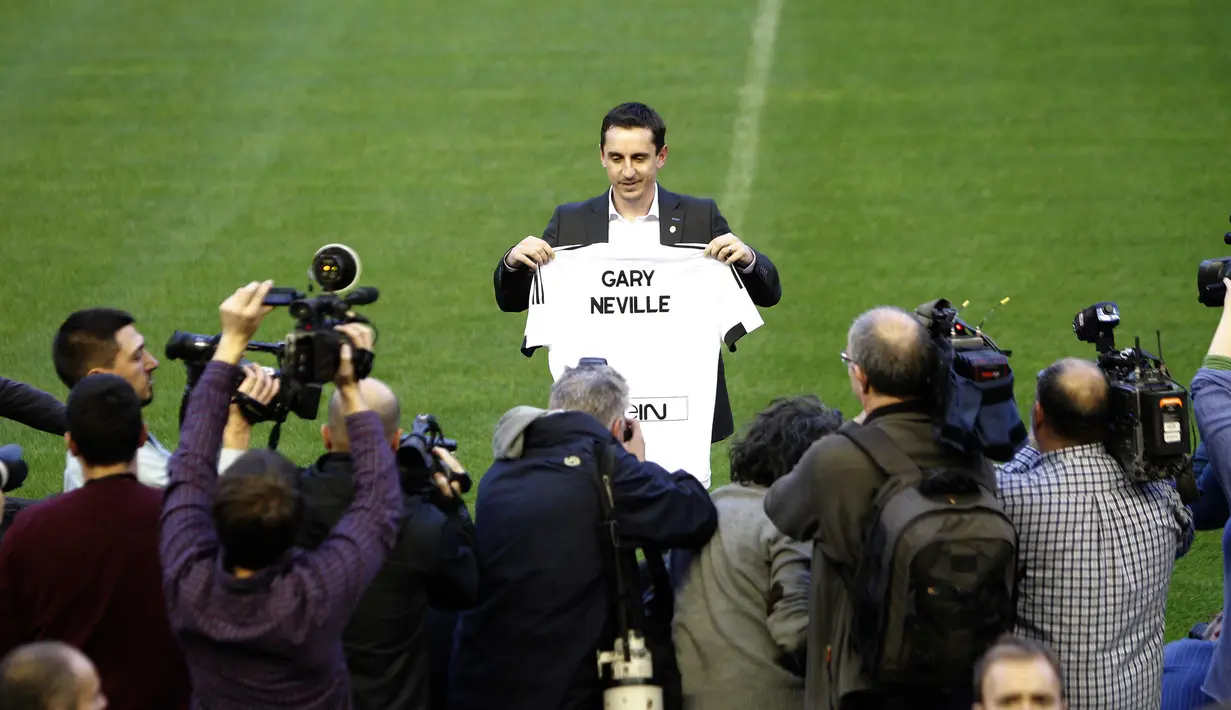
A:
362	296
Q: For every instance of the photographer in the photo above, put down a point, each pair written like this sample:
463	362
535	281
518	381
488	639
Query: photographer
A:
432	563
830	494
261	622
1097	547
1211	394
105	340
547	602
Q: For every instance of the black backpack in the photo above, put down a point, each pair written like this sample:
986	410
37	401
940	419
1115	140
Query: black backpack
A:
937	580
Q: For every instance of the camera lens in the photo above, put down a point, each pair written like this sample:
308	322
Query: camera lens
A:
335	267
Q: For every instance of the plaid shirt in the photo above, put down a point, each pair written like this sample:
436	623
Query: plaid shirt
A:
1098	553
272	640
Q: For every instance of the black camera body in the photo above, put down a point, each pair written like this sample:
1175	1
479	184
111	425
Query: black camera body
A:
1211	291
1148	430
414	455
309	357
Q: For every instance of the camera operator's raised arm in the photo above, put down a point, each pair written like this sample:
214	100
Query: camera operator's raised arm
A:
187	517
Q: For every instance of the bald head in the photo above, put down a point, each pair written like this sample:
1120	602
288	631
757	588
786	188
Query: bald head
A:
893	350
379	398
49	675
1072	395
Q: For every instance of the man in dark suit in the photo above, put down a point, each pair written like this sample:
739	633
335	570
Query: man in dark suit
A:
633	146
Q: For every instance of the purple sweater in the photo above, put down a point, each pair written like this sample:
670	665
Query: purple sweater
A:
273	640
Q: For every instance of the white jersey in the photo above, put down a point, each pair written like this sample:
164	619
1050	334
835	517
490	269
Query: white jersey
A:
659	315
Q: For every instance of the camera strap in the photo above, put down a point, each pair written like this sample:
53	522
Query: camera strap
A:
605	458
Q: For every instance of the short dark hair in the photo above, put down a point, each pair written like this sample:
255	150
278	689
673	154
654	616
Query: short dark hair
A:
632	114
258	509
38	676
895	352
86	340
778	436
1075	413
103	415
1014	647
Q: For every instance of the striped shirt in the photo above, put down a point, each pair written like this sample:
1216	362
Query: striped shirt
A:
272	640
1098	552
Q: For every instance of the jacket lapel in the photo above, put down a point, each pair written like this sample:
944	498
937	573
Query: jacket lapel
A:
670	217
596	220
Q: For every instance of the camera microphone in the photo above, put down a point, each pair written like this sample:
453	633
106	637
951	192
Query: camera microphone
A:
362	296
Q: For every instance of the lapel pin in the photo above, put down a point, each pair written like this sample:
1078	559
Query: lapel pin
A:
672	229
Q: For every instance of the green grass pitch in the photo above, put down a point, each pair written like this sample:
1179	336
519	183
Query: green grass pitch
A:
153	156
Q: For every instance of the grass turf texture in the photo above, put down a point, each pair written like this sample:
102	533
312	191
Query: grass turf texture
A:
156	155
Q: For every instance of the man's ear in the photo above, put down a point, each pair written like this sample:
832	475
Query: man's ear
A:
326	437
1037	420
145	436
397	440
68	442
862	378
662	156
617	429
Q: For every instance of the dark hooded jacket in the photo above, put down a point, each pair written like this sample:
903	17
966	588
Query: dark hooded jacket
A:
545	606
432	566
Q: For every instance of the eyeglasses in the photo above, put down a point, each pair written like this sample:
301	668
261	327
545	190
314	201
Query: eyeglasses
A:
846	359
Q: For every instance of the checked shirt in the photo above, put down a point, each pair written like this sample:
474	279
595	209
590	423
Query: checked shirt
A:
1098	552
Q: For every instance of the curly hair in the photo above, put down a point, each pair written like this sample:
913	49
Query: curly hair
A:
778	436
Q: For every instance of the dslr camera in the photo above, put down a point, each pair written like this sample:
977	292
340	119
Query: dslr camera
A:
1211	291
1148	431
419	464
974	409
310	355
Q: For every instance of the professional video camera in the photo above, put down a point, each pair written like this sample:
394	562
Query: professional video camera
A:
309	356
1211	291
1149	430
415	455
13	468
972	389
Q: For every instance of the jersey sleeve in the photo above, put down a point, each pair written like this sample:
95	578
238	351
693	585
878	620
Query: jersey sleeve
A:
541	317
737	314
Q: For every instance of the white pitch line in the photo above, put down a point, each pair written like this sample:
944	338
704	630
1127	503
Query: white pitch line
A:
752	96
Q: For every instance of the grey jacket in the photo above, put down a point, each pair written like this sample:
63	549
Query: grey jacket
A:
825	499
742	610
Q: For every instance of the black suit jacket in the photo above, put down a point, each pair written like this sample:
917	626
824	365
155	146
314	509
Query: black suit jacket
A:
696	220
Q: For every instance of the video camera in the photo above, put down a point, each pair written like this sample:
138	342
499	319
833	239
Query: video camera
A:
974	408
414	456
1149	432
310	355
1211	291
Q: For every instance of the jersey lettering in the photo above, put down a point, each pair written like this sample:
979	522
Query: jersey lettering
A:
607	305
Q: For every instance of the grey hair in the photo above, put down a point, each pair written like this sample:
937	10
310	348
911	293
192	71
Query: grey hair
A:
894	350
598	391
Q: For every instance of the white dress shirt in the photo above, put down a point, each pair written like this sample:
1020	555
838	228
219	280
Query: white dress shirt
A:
642	231
152	460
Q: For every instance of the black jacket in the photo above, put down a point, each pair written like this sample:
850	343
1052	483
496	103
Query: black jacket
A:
544	599
683	219
432	564
31	406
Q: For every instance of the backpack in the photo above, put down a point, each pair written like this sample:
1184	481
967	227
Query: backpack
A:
937	581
